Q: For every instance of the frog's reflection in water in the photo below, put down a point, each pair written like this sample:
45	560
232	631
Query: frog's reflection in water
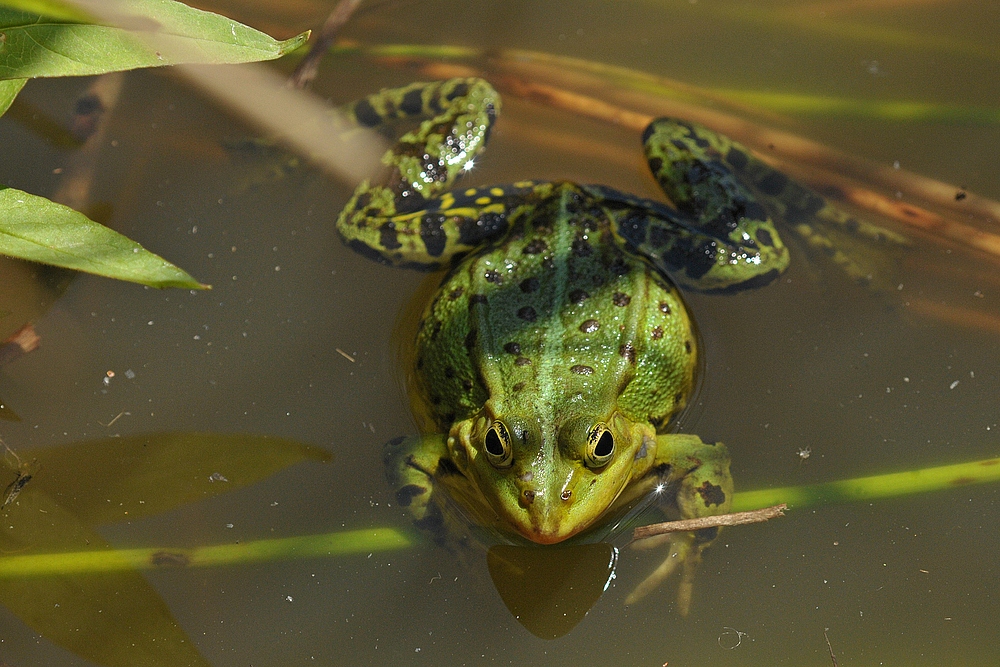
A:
550	589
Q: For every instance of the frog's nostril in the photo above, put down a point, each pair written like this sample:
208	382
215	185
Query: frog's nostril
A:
566	494
529	496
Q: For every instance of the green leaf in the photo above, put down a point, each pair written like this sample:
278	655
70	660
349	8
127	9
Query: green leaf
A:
117	479
114	617
49	8
168	33
8	91
40	230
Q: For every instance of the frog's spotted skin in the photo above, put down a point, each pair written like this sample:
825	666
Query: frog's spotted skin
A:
556	347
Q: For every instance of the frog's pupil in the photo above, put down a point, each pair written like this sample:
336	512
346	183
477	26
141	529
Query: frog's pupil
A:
493	444
605	445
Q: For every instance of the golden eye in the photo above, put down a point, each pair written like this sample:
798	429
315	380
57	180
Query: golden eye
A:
497	444
600	446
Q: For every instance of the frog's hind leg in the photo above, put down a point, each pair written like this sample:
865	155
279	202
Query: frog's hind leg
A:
411	219
855	246
721	238
858	248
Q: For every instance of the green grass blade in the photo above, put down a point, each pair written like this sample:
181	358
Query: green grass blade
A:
804	104
307	546
874	487
40	230
34	46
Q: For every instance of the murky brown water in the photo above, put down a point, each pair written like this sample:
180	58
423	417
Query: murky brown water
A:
811	361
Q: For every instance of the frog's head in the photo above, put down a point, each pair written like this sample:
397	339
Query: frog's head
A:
549	481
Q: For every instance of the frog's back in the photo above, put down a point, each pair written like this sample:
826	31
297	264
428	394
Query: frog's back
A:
553	315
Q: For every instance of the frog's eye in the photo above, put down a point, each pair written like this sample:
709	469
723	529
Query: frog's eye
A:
498	449
600	446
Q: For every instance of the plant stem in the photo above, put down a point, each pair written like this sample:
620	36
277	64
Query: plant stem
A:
874	487
306	546
385	539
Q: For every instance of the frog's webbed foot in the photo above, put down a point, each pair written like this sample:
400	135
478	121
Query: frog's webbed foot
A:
724	235
685	550
864	252
698	474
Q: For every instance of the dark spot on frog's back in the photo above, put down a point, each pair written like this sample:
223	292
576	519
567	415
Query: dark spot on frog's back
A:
406	494
664	307
711	494
388	238
522	361
455	293
632	228
527	314
477	299
764	238
754	211
512	348
366	114
804	208
529	285
773	183
578	296
535	247
590	326
628	352
621	299
460	90
737	159
581	248
432	234
493	276
581	369
412	103
487	226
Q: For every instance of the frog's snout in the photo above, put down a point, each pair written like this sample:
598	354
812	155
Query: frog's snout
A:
546	516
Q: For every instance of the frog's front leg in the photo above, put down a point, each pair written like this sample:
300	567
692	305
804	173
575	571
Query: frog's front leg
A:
411	219
699	472
411	465
426	482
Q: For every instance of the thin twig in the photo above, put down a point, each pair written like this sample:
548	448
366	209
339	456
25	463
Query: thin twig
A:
304	74
830	646
733	519
954	315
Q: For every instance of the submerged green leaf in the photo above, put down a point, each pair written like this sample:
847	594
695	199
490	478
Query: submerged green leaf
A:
8	91
114	479
111	615
40	230
114	619
166	33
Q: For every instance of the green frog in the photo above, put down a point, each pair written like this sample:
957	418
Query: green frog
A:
558	348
